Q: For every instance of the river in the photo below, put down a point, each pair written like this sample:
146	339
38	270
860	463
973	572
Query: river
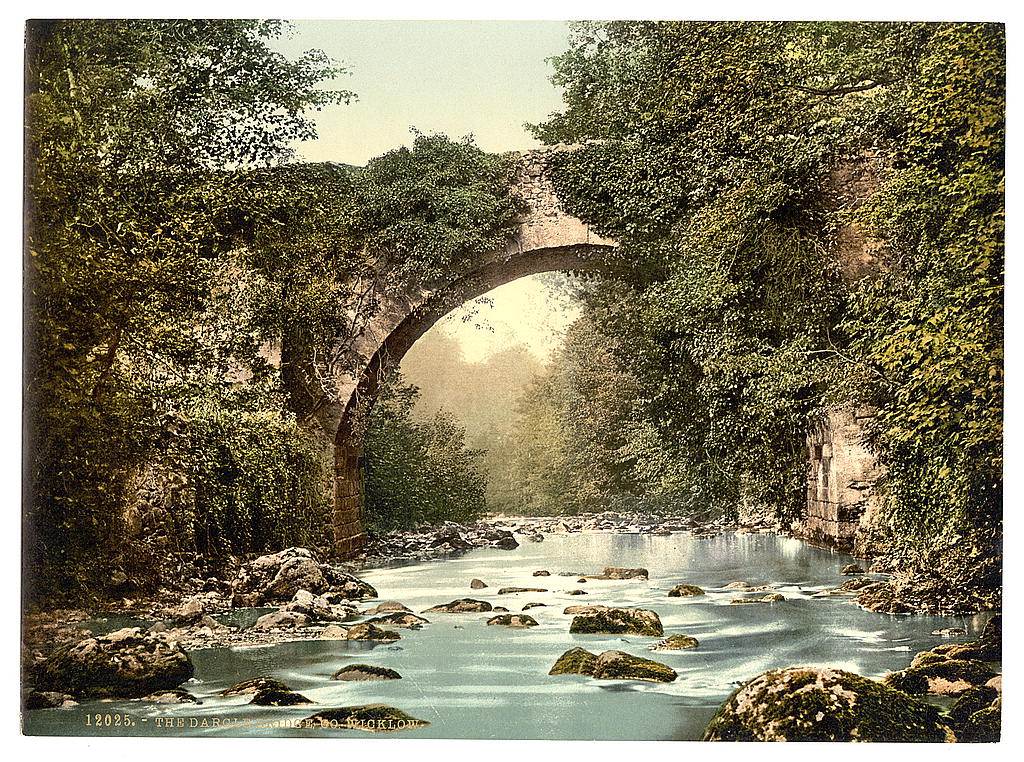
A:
470	680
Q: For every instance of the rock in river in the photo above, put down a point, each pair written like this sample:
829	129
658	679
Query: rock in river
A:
684	590
676	643
375	718
617	621
365	673
513	620
511	590
274	697
128	663
387	607
477	584
851	569
367	631
611	665
820	704
404	619
49	700
255	686
618	572
460	606
282	620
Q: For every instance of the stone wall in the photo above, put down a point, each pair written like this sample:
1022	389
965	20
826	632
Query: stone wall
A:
842	474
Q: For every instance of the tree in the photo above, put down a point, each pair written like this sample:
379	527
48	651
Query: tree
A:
133	129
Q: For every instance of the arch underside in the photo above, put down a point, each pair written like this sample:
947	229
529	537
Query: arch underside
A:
348	492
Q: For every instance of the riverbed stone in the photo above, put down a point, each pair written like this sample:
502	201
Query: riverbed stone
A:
576	592
532	605
619	665
618	621
334	632
365	673
513	620
460	606
282	620
127	663
255	685
946	677
387	607
477	584
171	696
374	718
367	631
575	661
949	632
512	590
542	573
851	569
408	620
685	590
274	697
820	704
611	665
676	643
773	598
619	572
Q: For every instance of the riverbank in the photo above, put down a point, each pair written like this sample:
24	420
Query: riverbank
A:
466	674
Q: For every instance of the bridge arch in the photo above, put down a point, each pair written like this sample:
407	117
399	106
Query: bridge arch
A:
546	239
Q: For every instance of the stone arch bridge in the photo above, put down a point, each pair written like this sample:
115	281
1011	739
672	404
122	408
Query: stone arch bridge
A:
545	239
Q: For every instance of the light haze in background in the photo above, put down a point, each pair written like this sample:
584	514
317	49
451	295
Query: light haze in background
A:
481	78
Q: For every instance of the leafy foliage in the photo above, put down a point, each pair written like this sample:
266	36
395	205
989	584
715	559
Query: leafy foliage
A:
418	472
711	157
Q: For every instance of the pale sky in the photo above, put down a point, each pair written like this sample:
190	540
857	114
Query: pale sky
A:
485	78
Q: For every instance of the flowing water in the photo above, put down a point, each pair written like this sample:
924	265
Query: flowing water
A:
470	680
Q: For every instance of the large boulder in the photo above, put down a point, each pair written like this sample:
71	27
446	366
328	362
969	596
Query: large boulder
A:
279	576
820	704
128	663
617	621
367	631
611	665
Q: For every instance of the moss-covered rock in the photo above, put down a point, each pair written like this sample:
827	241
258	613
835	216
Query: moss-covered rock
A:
404	619
684	590
373	718
367	631
618	665
127	663
575	661
984	726
676	643
274	697
611	665
364	673
460	606
972	700
255	686
618	621
819	704
513	620
946	677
